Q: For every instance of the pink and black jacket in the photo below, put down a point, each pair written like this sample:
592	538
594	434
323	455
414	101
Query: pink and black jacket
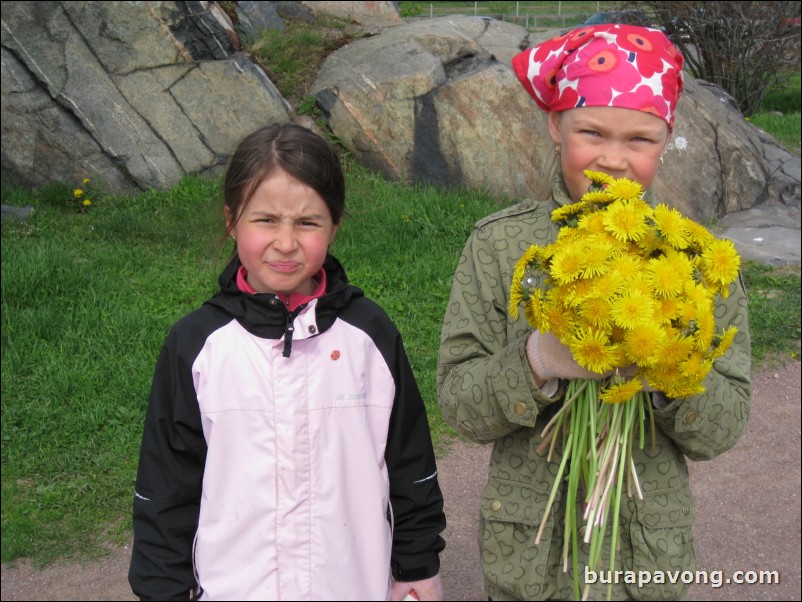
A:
285	455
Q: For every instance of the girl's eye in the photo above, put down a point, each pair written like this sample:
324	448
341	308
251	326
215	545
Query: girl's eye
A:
589	132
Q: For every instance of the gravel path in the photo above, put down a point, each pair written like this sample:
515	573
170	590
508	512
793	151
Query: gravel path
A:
748	515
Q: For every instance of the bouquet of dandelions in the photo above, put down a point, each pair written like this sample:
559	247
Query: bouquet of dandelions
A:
626	286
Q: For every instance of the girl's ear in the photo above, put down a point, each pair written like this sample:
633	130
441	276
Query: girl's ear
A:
229	219
554	127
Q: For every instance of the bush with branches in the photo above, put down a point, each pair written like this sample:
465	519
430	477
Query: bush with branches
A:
743	47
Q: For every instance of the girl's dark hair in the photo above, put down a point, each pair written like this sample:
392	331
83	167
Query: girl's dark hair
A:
294	149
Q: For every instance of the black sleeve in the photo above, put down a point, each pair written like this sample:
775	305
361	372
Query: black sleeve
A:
414	489
168	484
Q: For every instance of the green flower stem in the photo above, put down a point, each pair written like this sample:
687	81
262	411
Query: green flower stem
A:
556	486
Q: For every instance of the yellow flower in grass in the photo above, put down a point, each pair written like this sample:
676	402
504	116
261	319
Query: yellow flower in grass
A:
592	350
670	223
77	193
627	220
621	392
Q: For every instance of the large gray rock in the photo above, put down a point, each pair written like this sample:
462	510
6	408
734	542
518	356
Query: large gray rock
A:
436	101
129	94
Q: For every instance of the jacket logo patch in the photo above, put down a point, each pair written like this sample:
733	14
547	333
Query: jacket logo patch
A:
335	355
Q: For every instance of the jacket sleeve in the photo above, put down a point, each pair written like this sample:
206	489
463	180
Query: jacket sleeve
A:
485	387
706	425
168	484
415	496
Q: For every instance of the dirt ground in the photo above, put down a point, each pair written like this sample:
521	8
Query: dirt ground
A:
748	515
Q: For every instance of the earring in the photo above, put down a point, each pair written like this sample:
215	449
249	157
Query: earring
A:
661	160
557	149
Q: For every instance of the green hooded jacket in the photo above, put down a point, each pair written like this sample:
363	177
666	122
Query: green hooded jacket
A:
487	393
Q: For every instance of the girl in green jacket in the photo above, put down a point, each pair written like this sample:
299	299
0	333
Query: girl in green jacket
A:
610	92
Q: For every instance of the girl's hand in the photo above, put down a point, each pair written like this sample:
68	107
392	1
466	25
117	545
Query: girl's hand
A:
426	589
549	358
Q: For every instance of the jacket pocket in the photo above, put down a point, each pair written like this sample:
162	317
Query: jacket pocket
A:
661	533
514	565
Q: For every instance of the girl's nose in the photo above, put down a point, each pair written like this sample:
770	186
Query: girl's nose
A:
611	159
285	238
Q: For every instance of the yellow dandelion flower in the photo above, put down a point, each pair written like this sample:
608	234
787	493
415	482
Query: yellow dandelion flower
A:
520	267
641	341
597	252
723	342
671	225
626	266
649	244
87	202
697	294
596	200
705	330
566	212
668	309
621	392
624	189
595	311
516	297
682	387
669	273
640	283
688	311
632	308
77	193
592	222
674	350
626	220
720	262
577	291
599	178
695	368
592	350
698	234
558	319
85	181
533	310
568	262
609	285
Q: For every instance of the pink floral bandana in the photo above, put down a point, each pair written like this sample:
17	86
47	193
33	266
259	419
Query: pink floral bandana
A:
604	66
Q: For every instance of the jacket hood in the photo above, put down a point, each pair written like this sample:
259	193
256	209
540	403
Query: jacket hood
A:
266	316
